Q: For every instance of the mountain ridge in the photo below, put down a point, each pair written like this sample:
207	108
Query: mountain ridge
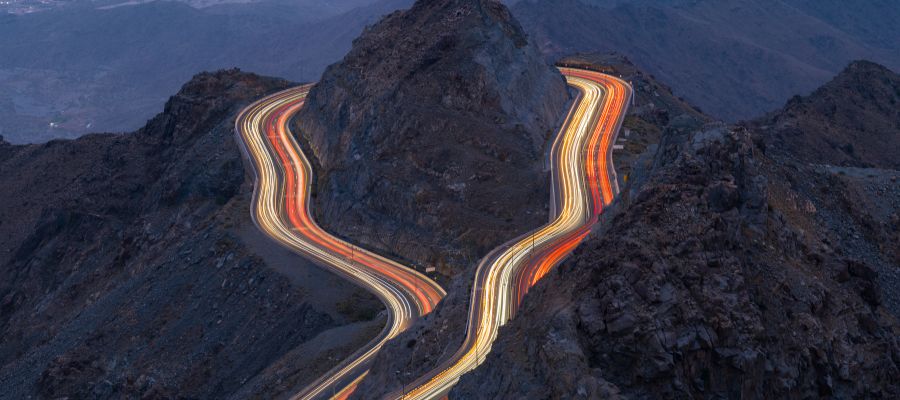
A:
858	109
130	266
725	272
435	114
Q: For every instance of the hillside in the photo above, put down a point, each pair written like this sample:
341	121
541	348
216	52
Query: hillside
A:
130	267
439	335
729	271
853	121
430	135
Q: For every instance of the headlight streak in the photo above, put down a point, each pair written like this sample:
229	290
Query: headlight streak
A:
583	181
281	210
582	174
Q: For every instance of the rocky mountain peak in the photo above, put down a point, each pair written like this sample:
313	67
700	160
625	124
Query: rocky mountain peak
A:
853	120
862	78
205	100
456	40
432	111
437	25
862	67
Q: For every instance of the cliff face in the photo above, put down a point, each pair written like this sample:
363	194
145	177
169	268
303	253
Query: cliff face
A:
730	271
431	134
127	268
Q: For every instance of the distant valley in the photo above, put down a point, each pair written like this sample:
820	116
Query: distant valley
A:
78	69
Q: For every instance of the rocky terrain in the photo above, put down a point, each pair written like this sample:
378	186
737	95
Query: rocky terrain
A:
757	260
843	140
734	59
130	268
853	120
730	270
430	144
438	336
430	136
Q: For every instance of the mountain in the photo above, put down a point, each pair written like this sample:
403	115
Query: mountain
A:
853	120
439	335
130	266
654	109
734	59
430	135
844	137
753	260
81	69
429	141
314	8
728	270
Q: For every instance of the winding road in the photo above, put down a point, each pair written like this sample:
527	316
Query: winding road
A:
583	182
281	210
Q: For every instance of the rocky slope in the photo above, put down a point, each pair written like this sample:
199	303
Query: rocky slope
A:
844	140
853	120
729	271
438	336
129	266
430	135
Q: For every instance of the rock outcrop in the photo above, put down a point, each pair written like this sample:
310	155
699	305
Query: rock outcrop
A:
430	136
842	142
438	336
127	269
852	121
731	271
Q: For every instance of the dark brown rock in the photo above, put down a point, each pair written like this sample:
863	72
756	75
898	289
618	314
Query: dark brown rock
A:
124	271
729	272
734	59
431	134
854	121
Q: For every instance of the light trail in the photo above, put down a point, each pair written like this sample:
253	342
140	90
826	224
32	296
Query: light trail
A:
281	210
583	182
